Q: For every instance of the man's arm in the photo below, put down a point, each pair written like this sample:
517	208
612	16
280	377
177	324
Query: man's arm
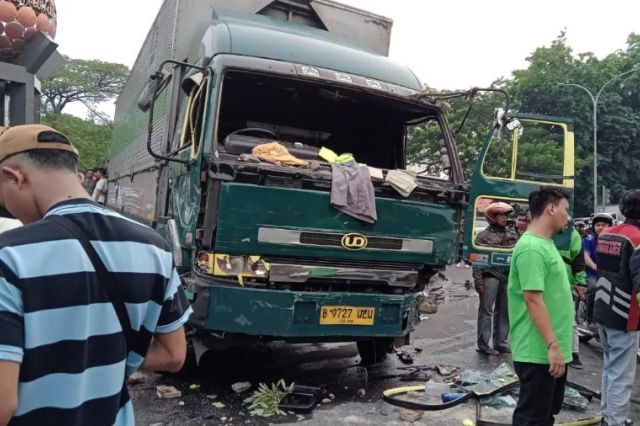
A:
11	342
97	191
634	267
590	263
478	282
168	348
540	318
579	274
9	372
167	352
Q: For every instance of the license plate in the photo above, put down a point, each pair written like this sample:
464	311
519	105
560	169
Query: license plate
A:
346	315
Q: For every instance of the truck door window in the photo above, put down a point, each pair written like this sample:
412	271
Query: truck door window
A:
532	153
516	223
498	161
540	153
427	154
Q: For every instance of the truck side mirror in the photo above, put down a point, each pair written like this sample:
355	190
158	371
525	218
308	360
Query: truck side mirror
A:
156	84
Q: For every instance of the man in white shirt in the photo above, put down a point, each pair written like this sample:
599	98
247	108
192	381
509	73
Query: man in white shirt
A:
100	191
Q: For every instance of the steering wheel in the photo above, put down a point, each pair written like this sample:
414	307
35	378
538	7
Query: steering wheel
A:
255	130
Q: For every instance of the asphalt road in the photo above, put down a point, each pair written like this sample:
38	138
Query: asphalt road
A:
447	337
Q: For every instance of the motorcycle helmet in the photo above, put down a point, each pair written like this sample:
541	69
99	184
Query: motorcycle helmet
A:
495	209
601	217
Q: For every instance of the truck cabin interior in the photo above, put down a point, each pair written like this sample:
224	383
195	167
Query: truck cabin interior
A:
305	116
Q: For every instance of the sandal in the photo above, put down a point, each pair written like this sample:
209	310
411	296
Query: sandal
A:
488	351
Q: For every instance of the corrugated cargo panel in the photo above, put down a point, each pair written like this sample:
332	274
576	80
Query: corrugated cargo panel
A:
128	149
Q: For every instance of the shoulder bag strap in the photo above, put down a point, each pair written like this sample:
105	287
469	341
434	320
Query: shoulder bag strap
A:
104	277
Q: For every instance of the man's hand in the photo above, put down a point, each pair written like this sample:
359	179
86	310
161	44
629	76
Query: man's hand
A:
581	291
556	362
478	283
9	373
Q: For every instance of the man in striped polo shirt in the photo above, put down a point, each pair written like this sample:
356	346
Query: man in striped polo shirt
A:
87	296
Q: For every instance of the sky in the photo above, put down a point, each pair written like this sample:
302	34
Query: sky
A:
449	44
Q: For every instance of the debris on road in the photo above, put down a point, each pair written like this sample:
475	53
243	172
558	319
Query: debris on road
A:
241	387
361	393
411	416
212	396
136	378
446	370
332	396
218	405
181	403
405	357
265	401
327	401
168	392
301	399
194	386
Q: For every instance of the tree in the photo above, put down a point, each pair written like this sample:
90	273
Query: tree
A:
92	140
536	90
90	82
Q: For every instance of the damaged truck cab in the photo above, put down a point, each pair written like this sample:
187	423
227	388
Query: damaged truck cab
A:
262	251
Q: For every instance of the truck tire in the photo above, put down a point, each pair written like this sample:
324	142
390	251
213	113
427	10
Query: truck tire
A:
374	350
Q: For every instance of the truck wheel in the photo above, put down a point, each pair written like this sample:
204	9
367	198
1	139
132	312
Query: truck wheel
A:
375	350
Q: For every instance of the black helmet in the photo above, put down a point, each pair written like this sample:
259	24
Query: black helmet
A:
630	204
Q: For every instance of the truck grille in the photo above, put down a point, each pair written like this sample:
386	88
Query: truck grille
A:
335	240
352	241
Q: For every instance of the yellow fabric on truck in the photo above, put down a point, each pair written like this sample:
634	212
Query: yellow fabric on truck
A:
274	152
331	157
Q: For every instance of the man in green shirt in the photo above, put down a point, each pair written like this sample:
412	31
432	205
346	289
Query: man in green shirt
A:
540	311
574	262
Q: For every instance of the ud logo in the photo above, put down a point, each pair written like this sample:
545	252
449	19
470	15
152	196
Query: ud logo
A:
354	241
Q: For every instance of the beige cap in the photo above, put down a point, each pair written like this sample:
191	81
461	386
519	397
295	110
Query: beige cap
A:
18	139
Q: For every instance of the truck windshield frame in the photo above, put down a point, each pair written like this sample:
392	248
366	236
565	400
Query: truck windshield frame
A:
342	87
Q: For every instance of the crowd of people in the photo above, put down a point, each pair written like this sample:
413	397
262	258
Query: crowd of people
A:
529	309
95	183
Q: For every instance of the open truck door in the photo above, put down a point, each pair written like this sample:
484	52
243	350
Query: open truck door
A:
522	153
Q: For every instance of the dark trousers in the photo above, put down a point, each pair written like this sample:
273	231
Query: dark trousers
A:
540	397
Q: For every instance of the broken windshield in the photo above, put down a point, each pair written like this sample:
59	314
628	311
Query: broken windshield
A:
306	116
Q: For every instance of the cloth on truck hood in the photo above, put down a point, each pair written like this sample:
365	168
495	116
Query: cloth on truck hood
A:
274	152
331	157
403	181
352	191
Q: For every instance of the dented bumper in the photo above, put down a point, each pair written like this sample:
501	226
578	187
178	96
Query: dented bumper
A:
296	314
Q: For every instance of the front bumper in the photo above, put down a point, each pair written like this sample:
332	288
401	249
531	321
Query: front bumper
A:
221	307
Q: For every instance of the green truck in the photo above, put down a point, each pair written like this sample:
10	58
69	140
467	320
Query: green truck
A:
262	251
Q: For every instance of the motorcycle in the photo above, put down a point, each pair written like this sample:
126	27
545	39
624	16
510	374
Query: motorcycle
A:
586	331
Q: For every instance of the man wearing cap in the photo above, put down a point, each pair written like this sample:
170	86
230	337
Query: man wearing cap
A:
77	313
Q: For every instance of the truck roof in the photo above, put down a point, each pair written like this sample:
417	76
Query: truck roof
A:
266	37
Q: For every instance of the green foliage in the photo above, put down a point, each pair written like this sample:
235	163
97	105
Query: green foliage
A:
92	140
536	90
90	82
265	400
